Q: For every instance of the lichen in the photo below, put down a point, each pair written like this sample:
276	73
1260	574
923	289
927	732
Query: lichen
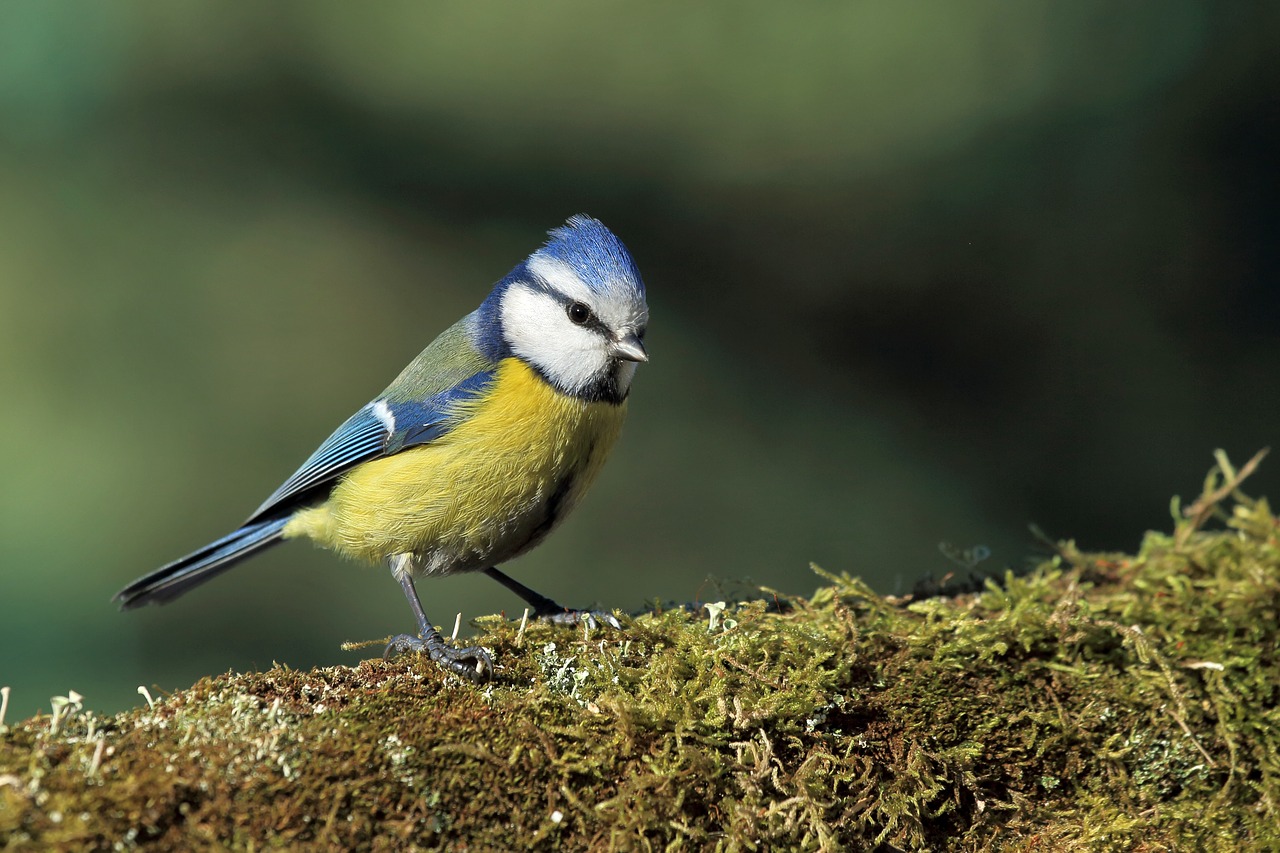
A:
1099	701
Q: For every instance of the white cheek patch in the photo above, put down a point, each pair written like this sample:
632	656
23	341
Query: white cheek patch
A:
540	333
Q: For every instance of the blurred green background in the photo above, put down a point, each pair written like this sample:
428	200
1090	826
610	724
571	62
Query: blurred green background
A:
917	273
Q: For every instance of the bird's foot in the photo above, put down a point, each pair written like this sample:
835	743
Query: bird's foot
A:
548	611
472	662
591	618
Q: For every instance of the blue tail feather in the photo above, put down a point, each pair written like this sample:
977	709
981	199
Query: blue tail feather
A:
168	582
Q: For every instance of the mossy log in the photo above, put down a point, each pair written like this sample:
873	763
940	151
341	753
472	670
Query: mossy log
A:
1099	701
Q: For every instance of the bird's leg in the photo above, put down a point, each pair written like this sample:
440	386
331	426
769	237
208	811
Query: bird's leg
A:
546	609
472	662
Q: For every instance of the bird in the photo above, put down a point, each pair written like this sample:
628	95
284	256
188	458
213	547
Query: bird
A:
475	452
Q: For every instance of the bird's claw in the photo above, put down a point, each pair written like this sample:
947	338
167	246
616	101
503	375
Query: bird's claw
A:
591	618
472	662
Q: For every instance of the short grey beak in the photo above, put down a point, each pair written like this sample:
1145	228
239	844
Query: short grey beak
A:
629	348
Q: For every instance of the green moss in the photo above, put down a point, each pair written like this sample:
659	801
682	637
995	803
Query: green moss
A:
1102	701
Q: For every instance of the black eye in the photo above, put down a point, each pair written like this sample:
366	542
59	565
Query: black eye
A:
578	313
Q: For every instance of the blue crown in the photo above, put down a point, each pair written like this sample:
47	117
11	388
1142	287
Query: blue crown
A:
594	253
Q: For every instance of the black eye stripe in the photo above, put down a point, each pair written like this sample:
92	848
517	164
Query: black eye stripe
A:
574	307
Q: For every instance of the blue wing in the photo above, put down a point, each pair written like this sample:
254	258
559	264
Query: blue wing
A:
379	429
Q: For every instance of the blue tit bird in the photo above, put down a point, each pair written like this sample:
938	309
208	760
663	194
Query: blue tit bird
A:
476	451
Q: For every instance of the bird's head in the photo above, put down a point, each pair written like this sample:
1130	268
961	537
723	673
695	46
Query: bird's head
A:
574	310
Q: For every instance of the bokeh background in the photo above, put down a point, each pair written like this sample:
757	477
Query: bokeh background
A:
918	273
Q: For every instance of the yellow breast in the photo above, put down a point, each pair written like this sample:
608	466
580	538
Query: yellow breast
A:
519	459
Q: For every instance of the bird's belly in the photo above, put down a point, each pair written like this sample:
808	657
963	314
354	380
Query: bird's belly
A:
484	492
